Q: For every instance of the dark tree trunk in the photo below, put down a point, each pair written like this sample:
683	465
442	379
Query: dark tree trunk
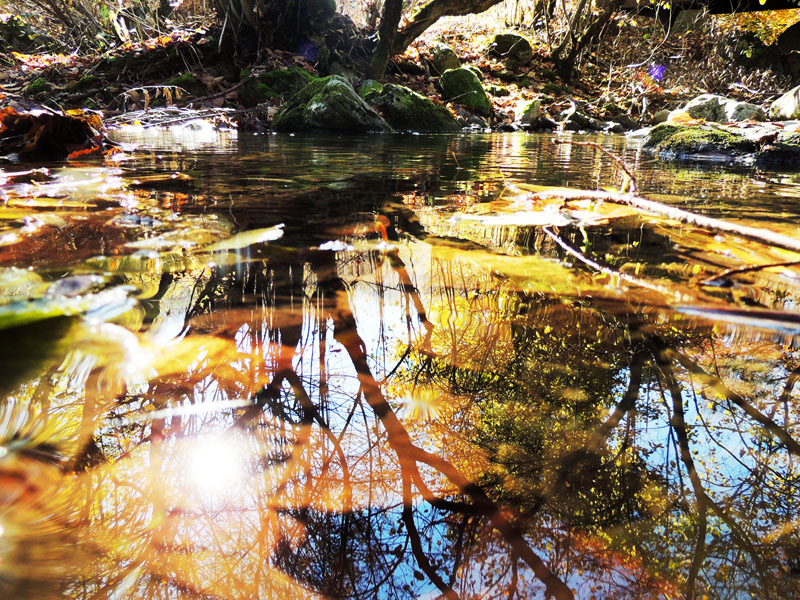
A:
392	10
432	12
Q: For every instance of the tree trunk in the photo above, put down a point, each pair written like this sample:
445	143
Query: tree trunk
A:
392	10
432	12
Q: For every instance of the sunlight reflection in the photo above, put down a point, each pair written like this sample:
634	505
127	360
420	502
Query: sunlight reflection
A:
215	466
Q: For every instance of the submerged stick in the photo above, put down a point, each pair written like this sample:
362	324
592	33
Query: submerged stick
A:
684	216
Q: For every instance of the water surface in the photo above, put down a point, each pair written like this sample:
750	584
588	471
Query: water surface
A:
384	367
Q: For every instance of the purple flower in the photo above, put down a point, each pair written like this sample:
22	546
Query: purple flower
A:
657	71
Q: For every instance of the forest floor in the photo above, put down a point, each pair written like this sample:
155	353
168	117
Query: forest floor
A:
635	70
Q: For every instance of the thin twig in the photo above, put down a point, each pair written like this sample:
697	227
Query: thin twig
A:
617	159
749	269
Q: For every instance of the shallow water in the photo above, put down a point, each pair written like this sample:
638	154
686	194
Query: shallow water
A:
386	367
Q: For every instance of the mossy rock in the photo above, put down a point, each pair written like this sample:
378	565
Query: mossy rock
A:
368	87
513	49
498	90
476	70
406	110
40	85
274	84
444	58
189	83
287	81
329	104
553	89
678	141
253	93
464	87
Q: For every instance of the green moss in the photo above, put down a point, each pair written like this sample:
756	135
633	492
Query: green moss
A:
189	83
553	89
253	93
369	88
84	83
40	85
696	139
406	110
659	133
287	81
498	90
464	87
329	104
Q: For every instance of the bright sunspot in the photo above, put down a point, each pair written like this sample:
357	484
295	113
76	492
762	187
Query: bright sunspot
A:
216	465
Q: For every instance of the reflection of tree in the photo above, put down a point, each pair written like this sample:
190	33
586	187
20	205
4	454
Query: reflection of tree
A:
568	447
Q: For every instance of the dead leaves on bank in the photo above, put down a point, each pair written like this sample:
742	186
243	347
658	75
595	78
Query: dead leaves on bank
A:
43	134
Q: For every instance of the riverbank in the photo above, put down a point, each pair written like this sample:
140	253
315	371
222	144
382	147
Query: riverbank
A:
627	82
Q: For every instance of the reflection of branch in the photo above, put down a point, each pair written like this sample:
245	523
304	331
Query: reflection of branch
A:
604	269
416	542
678	423
662	355
719	386
345	333
732	271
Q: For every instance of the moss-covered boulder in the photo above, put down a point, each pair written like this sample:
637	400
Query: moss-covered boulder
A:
287	81
328	104
258	88
679	141
253	92
406	110
765	145
444	58
530	112
368	87
188	83
464	87
513	49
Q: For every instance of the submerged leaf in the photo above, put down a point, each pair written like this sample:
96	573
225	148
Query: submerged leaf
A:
247	238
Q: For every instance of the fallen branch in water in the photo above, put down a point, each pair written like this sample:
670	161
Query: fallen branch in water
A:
684	216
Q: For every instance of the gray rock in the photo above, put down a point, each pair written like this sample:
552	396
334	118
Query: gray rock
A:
661	117
341	70
514	49
787	106
464	87
718	109
626	122
444	58
328	104
531	113
577	121
406	110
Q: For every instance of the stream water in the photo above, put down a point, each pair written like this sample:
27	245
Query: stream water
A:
394	367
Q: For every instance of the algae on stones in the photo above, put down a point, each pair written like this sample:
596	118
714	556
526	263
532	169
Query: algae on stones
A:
679	140
406	110
464	87
329	104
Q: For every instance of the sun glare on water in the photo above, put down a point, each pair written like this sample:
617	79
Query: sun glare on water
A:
216	466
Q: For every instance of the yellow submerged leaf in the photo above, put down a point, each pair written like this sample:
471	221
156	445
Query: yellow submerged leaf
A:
247	238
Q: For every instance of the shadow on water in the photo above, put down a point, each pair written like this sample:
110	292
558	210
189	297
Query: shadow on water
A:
407	390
